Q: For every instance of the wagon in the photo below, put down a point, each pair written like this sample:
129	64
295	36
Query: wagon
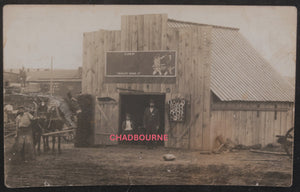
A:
287	141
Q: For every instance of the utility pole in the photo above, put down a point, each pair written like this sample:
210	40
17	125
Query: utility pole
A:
51	80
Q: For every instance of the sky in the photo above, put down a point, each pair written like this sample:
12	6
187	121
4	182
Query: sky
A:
32	34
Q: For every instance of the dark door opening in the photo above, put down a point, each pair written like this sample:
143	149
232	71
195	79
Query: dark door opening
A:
135	105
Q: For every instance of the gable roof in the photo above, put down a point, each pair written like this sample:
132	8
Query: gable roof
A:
238	71
57	75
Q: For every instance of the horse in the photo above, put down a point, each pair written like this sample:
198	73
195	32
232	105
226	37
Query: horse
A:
52	119
46	122
37	126
54	123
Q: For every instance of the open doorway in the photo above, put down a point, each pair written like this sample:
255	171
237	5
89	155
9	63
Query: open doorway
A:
135	104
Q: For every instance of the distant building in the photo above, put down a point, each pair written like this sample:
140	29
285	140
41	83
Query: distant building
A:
64	80
10	77
11	82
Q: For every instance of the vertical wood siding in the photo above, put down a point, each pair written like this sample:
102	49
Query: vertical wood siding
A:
247	127
150	32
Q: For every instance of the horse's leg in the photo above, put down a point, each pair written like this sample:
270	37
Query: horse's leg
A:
58	144
47	143
44	143
34	144
39	143
53	143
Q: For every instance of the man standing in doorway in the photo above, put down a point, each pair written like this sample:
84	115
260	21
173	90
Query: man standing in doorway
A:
151	122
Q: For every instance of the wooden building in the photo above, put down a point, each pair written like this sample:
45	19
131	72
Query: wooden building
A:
10	77
229	89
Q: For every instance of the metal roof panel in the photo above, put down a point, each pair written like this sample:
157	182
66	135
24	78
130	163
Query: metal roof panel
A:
238	71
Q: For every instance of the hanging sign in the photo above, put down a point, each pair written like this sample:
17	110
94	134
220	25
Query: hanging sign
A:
140	64
177	110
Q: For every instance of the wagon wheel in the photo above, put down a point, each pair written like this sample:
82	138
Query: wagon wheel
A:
289	140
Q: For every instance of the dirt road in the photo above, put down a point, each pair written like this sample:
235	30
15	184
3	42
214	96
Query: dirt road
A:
135	165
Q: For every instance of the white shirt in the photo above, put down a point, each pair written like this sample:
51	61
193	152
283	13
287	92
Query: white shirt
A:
24	120
128	126
151	109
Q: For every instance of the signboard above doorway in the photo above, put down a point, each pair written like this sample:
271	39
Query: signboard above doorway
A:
141	64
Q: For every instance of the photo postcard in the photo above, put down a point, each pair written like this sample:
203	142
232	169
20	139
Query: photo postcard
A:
98	95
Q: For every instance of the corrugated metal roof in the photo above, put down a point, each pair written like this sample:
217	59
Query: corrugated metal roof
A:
180	24
239	72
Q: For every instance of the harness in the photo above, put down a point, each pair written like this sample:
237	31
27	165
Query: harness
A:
58	117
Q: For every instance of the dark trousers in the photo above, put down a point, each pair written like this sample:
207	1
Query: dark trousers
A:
23	148
150	131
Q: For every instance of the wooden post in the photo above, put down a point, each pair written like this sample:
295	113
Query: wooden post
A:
51	80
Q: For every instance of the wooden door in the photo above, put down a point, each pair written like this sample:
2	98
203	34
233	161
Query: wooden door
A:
106	122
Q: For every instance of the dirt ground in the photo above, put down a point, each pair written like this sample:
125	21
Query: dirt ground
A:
136	165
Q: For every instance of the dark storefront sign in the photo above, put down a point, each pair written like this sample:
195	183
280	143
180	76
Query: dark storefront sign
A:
141	64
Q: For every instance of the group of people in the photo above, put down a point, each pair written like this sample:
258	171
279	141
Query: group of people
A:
23	148
151	122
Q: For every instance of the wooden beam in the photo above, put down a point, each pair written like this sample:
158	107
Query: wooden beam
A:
268	152
214	108
58	132
11	134
135	90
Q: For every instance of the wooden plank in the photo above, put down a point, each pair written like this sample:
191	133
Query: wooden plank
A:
170	44
206	91
100	40
140	32
249	129
276	126
268	152
124	26
146	34
199	87
9	135
180	66
283	123
290	121
255	125
222	108
242	128
133	36
163	46
193	85
236	117
58	132
213	127
263	127
229	125
232	124
269	127
100	61
84	62
185	44
87	75
93	64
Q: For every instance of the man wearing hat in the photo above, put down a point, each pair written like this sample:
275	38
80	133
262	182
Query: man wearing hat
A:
151	122
24	141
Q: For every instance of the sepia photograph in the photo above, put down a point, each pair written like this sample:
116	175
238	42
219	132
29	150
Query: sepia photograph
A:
98	95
